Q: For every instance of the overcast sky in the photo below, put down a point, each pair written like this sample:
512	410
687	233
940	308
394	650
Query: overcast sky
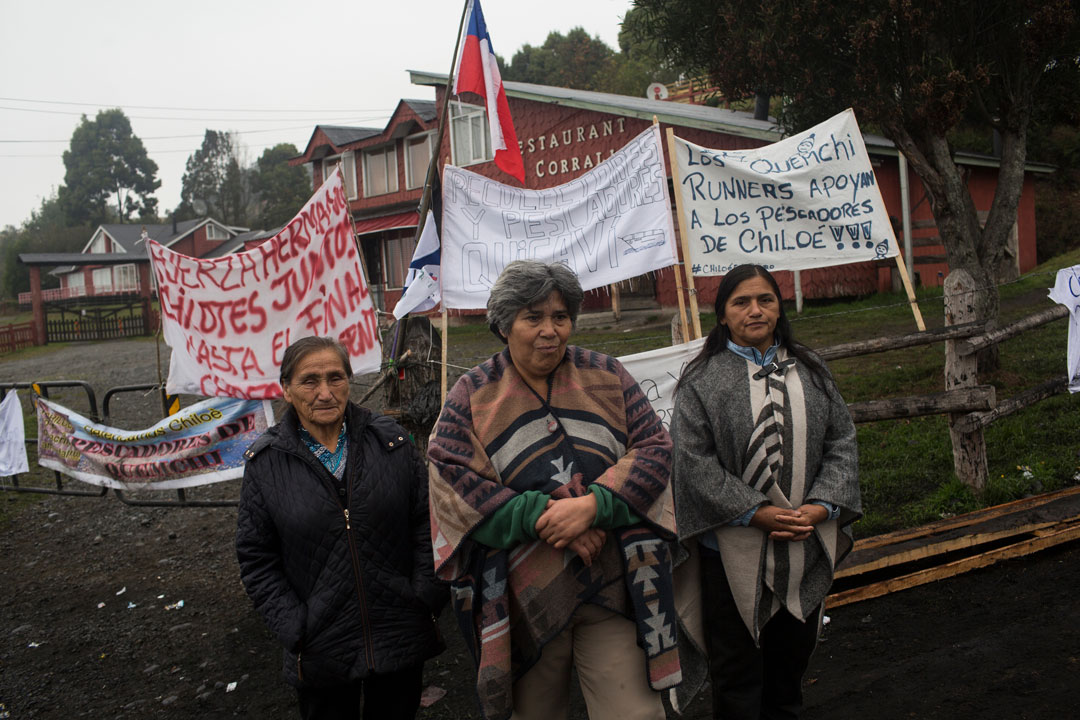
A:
268	69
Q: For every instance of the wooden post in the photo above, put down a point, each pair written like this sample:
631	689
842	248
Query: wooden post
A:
41	336
616	310
685	331
683	224
910	292
444	346
969	448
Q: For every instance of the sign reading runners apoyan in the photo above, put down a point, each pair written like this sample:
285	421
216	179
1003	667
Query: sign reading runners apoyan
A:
808	201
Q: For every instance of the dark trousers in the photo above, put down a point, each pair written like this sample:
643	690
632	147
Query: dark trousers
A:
751	682
393	696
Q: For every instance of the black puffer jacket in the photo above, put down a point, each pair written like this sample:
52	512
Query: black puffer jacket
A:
346	583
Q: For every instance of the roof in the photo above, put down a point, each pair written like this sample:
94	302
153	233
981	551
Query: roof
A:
426	110
733	122
236	244
128	235
341	135
78	259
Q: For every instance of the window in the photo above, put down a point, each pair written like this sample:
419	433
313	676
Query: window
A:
380	171
103	280
348	169
126	279
469	134
398	252
418	152
98	246
216	232
76	279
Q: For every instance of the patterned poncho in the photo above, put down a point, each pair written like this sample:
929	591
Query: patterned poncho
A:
743	438
497	438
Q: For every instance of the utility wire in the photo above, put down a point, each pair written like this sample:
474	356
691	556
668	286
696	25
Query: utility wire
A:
194	109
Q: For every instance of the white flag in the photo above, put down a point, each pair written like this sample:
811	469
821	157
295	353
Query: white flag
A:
422	282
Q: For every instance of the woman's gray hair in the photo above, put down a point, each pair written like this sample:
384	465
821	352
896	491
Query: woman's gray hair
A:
527	282
304	347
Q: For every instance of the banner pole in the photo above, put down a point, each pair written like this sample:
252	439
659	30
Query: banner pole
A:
678	279
910	291
433	164
444	347
683	223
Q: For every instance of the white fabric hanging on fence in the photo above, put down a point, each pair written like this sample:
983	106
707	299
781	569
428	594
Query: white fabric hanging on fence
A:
12	437
1067	292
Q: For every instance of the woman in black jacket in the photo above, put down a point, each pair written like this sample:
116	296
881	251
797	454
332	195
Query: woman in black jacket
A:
334	546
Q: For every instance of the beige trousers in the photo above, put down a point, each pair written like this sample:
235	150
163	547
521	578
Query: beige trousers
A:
602	645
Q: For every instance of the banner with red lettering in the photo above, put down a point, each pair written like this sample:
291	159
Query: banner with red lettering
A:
202	444
228	320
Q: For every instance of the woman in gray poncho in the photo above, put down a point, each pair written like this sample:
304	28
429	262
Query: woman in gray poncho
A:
766	485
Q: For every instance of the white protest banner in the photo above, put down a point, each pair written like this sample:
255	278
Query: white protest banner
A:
657	372
610	224
808	201
202	444
229	320
1066	291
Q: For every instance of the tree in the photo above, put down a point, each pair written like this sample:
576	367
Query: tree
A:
574	60
215	182
913	69
281	189
47	230
639	62
106	160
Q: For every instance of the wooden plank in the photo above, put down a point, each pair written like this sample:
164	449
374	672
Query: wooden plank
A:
1065	533
1024	324
940	548
965	520
899	342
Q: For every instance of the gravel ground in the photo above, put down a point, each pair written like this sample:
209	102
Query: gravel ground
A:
91	626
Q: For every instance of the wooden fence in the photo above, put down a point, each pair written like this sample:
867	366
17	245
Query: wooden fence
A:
969	405
92	327
14	337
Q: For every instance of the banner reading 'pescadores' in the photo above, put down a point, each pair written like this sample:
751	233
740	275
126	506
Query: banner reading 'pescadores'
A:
810	200
202	444
228	320
610	224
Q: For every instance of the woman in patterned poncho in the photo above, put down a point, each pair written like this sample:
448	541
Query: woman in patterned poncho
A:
551	515
766	485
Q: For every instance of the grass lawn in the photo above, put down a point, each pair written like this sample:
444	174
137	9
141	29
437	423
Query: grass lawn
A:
905	466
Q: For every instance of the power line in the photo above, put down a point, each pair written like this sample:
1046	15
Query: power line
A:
192	109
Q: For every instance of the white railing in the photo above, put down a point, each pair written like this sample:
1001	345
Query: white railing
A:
66	293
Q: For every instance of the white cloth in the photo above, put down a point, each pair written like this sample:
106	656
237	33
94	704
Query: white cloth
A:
1067	292
422	283
12	437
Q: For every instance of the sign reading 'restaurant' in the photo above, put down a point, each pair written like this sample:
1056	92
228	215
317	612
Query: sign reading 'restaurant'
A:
810	200
228	320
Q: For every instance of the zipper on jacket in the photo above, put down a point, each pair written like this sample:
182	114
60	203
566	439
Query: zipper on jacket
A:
299	668
365	624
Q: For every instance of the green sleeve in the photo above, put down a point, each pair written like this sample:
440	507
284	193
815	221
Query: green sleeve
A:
611	511
513	523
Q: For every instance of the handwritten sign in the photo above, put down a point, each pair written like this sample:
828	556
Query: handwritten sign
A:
1066	291
610	224
200	445
229	320
657	372
808	201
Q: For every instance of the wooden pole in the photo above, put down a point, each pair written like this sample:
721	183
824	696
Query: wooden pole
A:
433	164
910	291
683	223
442	330
682	303
616	310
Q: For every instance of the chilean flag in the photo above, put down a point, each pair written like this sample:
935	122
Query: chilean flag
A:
478	72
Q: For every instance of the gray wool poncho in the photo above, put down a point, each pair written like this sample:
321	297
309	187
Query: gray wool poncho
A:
721	472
